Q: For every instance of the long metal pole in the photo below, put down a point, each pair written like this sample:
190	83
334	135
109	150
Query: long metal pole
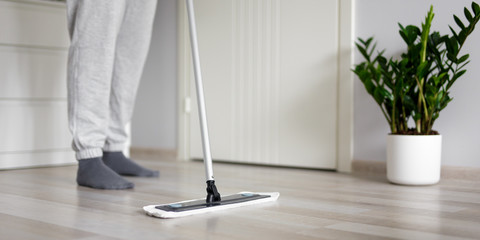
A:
207	158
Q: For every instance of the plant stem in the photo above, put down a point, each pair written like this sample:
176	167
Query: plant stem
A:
423	56
404	121
394	117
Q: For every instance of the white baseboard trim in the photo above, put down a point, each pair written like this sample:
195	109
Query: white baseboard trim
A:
141	151
448	172
36	159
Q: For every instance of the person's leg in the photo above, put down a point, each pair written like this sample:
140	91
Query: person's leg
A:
93	27
131	51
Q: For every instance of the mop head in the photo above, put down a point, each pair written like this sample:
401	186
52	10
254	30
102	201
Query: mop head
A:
198	206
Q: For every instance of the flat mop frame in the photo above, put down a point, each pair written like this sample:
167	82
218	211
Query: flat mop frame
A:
213	201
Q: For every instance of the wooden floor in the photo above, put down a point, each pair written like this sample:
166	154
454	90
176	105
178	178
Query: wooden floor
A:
46	203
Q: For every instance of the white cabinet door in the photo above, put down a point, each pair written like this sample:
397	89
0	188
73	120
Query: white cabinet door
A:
270	70
33	96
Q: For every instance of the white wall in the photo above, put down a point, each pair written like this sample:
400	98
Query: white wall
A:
459	122
154	121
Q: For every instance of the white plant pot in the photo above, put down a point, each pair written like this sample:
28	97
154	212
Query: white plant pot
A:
414	159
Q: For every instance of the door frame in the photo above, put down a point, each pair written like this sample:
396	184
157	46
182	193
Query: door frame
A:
345	85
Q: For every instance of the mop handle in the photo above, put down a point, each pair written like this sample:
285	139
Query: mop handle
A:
207	158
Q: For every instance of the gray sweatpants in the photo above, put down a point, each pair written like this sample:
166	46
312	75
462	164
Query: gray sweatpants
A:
109	45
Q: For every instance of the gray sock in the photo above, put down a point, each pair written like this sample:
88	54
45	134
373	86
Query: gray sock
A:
125	166
93	173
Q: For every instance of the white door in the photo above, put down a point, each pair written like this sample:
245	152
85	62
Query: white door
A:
270	70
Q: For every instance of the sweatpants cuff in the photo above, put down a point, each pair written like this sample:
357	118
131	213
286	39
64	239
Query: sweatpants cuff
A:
89	153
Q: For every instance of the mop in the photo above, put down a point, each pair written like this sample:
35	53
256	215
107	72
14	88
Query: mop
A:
214	201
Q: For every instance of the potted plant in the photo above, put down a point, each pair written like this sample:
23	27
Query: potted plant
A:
415	88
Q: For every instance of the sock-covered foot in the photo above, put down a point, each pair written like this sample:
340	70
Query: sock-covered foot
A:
94	173
125	166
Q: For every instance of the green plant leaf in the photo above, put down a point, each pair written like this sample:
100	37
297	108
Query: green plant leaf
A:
436	80
365	43
459	22
382	61
455	35
463	58
363	52
440	79
408	102
431	100
430	90
452	49
413	32
378	96
404	36
468	15
403	64
359	67
409	34
458	75
476	8
381	94
369	86
463	65
435	39
451	57
369	40
387	95
373	71
438	102
398	87
455	43
361	73
462	36
422	70
445	101
417	116
455	77
373	49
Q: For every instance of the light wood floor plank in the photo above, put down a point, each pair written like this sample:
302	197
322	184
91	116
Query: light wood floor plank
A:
389	232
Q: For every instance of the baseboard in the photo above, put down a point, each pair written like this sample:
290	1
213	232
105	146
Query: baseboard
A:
369	167
33	159
448	172
461	173
140	151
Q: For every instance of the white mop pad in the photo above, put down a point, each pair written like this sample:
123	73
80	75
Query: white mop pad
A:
153	211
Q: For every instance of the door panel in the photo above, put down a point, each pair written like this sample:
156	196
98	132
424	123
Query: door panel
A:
33	24
27	73
270	76
33	97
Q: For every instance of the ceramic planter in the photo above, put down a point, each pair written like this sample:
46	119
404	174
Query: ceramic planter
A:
414	159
